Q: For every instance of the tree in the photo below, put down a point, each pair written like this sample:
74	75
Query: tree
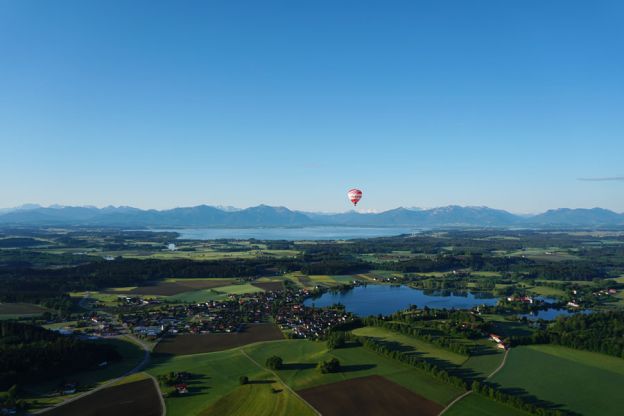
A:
331	366
242	380
274	362
336	340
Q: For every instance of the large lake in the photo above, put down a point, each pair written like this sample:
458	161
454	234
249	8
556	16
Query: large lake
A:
302	233
387	299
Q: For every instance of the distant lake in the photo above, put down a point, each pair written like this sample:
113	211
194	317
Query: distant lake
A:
302	233
387	299
551	313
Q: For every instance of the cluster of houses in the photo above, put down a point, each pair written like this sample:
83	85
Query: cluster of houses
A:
499	341
311	323
102	325
230	314
92	325
606	292
521	299
137	301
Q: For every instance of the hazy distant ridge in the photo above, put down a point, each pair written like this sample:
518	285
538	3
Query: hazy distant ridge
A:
267	216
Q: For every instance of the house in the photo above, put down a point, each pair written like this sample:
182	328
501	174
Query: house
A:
181	388
496	338
522	299
573	304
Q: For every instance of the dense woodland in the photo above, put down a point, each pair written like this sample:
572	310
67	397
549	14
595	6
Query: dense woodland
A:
30	353
598	332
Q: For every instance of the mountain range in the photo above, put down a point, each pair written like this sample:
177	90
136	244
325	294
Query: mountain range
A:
268	216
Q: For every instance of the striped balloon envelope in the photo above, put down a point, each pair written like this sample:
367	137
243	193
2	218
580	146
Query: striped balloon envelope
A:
354	195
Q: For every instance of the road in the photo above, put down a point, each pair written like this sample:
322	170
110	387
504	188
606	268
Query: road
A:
492	374
140	366
280	380
500	367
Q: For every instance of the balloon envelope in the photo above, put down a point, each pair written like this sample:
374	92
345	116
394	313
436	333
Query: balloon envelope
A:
354	195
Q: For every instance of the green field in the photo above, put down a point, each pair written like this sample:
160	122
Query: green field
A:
506	328
483	365
197	252
215	375
345	279
131	354
480	366
238	289
260	399
548	254
197	296
584	382
324	280
196	279
109	299
301	356
547	291
142	375
478	405
421	348
20	310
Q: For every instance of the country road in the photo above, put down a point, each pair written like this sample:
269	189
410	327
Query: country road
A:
492	374
136	369
280	380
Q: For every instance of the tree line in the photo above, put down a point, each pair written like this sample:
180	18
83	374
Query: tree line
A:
30	353
482	388
601	332
422	334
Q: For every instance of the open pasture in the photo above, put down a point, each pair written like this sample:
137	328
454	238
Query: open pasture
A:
17	310
547	291
196	344
372	395
481	366
584	382
411	345
213	376
544	254
301	357
139	398
239	289
477	366
269	286
478	405
260	398
170	288
39	394
197	296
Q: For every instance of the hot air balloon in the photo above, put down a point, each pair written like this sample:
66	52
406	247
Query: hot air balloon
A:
354	195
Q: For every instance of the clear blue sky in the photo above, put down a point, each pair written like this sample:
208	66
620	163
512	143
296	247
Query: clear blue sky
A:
419	103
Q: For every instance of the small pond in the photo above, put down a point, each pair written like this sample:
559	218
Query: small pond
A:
551	313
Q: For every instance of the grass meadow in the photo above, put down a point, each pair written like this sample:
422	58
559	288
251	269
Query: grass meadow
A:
477	405
301	356
584	382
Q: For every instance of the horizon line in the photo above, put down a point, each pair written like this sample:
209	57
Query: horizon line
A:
231	208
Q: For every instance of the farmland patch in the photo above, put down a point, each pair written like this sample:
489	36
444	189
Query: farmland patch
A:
195	344
372	395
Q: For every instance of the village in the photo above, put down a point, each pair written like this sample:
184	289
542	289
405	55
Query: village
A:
284	308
